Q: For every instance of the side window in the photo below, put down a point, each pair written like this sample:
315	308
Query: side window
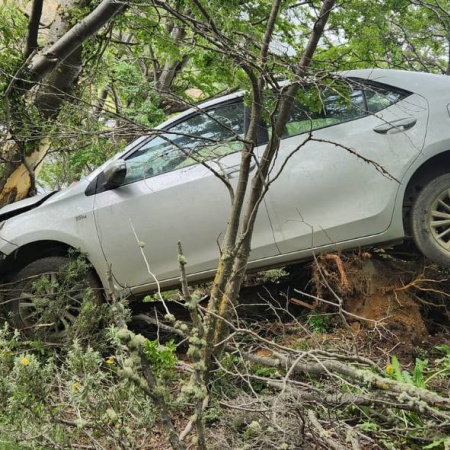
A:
345	106
380	97
202	137
314	109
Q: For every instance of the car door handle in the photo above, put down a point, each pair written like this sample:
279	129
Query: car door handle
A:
396	126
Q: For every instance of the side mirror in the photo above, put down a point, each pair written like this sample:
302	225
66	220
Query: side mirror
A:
114	174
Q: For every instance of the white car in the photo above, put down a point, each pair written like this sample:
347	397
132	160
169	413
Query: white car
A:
160	190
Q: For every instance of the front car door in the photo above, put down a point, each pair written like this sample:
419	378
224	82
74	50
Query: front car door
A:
172	194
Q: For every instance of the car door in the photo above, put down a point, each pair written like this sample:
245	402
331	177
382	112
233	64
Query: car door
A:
346	159
172	192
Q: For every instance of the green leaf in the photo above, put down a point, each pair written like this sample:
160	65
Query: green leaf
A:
419	368
443	443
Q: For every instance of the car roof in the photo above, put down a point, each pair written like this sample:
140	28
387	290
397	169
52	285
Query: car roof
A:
419	82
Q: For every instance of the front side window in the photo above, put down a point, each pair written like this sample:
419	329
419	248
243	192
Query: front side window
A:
199	138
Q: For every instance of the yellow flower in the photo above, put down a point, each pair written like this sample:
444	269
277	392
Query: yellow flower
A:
76	387
390	369
110	360
25	361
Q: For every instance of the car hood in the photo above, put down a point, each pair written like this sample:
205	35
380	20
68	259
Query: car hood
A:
22	206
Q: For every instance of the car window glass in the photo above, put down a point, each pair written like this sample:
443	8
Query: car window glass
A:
199	138
329	108
316	109
379	99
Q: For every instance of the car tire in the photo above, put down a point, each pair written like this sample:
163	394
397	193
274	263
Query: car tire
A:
430	220
44	299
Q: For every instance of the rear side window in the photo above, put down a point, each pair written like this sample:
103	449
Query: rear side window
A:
379	96
315	108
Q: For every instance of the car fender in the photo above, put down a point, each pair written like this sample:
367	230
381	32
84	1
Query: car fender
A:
77	231
430	151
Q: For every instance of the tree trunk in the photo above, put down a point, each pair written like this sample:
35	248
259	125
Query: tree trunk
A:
447	70
237	246
44	83
172	66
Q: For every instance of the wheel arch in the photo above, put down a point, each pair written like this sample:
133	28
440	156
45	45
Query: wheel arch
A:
33	251
429	170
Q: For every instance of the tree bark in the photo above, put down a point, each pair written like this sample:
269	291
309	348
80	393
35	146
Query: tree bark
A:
237	246
33	28
46	88
447	69
50	58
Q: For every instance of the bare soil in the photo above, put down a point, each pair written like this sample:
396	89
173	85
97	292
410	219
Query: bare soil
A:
392	305
381	304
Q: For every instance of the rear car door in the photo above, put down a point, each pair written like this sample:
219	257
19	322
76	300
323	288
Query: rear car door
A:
347	148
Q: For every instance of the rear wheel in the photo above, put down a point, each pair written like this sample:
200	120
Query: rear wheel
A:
430	220
47	296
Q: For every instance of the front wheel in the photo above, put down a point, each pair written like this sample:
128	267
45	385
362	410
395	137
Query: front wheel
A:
46	297
430	220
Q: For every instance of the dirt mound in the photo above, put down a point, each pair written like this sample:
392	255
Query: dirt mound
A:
387	303
377	292
380	304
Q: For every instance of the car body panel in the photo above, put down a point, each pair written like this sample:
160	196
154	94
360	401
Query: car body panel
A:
27	204
67	218
190	205
346	178
425	84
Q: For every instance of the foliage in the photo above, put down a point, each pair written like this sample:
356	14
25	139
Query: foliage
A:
108	385
417	378
161	357
97	389
128	60
80	145
393	34
141	102
63	397
86	389
13	27
320	323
